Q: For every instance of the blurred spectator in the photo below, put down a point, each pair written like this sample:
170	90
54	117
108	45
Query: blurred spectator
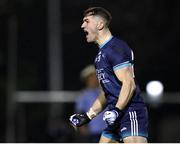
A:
92	131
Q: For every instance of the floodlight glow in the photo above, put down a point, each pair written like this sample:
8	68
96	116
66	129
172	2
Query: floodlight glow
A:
154	89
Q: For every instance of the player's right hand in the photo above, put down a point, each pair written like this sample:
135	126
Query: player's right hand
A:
79	119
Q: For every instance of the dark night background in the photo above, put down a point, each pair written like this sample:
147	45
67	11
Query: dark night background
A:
150	27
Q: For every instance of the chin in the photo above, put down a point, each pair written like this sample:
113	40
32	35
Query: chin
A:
89	41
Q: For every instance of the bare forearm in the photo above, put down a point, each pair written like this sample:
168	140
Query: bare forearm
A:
97	106
126	94
99	103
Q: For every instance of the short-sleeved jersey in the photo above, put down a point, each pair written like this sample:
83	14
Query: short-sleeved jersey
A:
113	55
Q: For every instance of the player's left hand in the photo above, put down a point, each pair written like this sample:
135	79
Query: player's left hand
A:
112	115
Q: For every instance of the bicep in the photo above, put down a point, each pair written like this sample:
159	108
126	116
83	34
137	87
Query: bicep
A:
124	74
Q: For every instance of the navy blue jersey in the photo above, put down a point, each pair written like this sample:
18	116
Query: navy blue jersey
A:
115	54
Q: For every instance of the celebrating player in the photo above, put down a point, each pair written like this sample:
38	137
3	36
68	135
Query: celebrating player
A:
127	116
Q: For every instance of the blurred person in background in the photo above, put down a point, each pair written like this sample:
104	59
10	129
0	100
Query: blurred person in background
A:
88	95
127	116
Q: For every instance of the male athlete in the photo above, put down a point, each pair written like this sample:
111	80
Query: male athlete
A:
127	116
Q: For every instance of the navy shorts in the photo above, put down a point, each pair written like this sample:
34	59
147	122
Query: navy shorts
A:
133	123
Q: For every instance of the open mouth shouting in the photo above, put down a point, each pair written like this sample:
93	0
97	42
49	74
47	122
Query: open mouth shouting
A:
86	32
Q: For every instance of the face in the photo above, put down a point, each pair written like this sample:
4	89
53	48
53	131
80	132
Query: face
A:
90	28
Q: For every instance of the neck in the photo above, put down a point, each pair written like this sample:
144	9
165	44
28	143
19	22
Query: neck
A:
103	37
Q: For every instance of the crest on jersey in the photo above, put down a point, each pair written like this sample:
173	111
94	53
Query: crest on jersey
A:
98	57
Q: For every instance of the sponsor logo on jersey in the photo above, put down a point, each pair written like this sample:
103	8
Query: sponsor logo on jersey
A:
101	76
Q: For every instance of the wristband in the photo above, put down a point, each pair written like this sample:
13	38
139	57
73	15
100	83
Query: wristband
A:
91	114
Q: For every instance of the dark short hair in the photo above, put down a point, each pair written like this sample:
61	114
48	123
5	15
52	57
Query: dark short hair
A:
99	11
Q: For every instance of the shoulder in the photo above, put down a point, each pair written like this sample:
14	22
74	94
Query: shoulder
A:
118	46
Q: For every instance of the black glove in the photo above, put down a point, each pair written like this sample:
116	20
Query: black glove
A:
79	119
111	116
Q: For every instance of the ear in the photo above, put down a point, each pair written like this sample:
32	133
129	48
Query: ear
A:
100	25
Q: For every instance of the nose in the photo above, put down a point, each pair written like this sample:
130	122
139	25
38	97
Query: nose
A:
82	26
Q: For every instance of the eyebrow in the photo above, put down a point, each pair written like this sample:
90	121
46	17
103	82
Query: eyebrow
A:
85	19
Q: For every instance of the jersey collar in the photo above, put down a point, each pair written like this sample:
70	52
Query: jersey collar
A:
101	46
